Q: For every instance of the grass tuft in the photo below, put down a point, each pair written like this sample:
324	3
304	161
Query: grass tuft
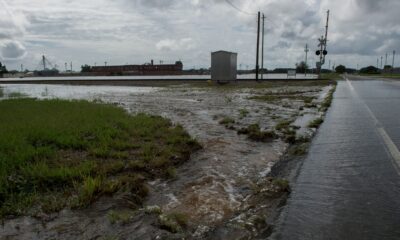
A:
173	222
227	121
316	123
243	113
328	100
122	217
254	133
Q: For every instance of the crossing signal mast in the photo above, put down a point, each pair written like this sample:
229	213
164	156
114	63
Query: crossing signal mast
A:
322	52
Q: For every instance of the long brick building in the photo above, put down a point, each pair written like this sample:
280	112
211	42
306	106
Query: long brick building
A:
145	69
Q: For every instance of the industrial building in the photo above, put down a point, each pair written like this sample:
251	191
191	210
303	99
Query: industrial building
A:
223	66
144	69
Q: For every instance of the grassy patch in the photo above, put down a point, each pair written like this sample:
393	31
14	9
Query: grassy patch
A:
394	75
256	134
262	85
16	95
328	100
316	123
1	93
287	130
243	113
56	154
272	187
384	75
331	76
279	96
226	121
173	222
281	184
283	124
122	217
153	210
299	150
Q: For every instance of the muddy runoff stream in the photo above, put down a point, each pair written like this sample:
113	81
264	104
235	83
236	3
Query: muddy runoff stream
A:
223	192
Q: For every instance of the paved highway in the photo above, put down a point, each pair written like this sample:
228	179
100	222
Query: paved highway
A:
349	185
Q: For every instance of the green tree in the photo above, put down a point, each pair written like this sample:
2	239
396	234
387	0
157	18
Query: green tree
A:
3	69
369	70
387	67
340	69
301	67
85	68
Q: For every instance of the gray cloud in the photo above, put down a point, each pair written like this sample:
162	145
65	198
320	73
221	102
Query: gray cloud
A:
12	50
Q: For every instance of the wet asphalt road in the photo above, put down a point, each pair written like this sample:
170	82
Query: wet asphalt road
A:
349	185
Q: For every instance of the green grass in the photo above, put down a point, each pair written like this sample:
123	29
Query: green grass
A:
262	85
385	75
173	222
1	93
331	76
281	184
16	95
122	217
283	124
278	96
73	152
254	133
394	75
243	113
299	150
325	105
287	130
227	121
316	123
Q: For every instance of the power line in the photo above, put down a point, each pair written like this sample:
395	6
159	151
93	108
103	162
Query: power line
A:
238	9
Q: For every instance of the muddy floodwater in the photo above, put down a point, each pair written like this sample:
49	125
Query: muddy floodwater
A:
215	189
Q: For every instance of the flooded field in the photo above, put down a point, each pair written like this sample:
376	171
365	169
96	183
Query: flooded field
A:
221	190
183	77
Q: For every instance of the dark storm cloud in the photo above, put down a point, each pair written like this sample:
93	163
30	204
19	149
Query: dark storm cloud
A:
12	50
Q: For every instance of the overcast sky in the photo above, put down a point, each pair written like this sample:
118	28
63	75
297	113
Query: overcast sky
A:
135	31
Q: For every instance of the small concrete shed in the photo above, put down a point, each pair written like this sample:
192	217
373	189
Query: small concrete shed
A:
223	66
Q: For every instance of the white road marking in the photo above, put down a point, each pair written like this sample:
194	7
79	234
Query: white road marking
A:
391	147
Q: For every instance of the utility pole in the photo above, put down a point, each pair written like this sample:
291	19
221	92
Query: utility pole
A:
386	59
71	67
322	44
381	62
105	64
394	53
377	63
262	48
44	62
66	67
306	50
258	45
22	67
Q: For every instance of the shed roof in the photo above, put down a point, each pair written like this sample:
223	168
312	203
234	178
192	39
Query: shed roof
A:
222	51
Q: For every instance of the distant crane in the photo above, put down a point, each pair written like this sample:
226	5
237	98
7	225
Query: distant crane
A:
45	64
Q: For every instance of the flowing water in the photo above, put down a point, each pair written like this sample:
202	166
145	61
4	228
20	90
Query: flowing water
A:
211	189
